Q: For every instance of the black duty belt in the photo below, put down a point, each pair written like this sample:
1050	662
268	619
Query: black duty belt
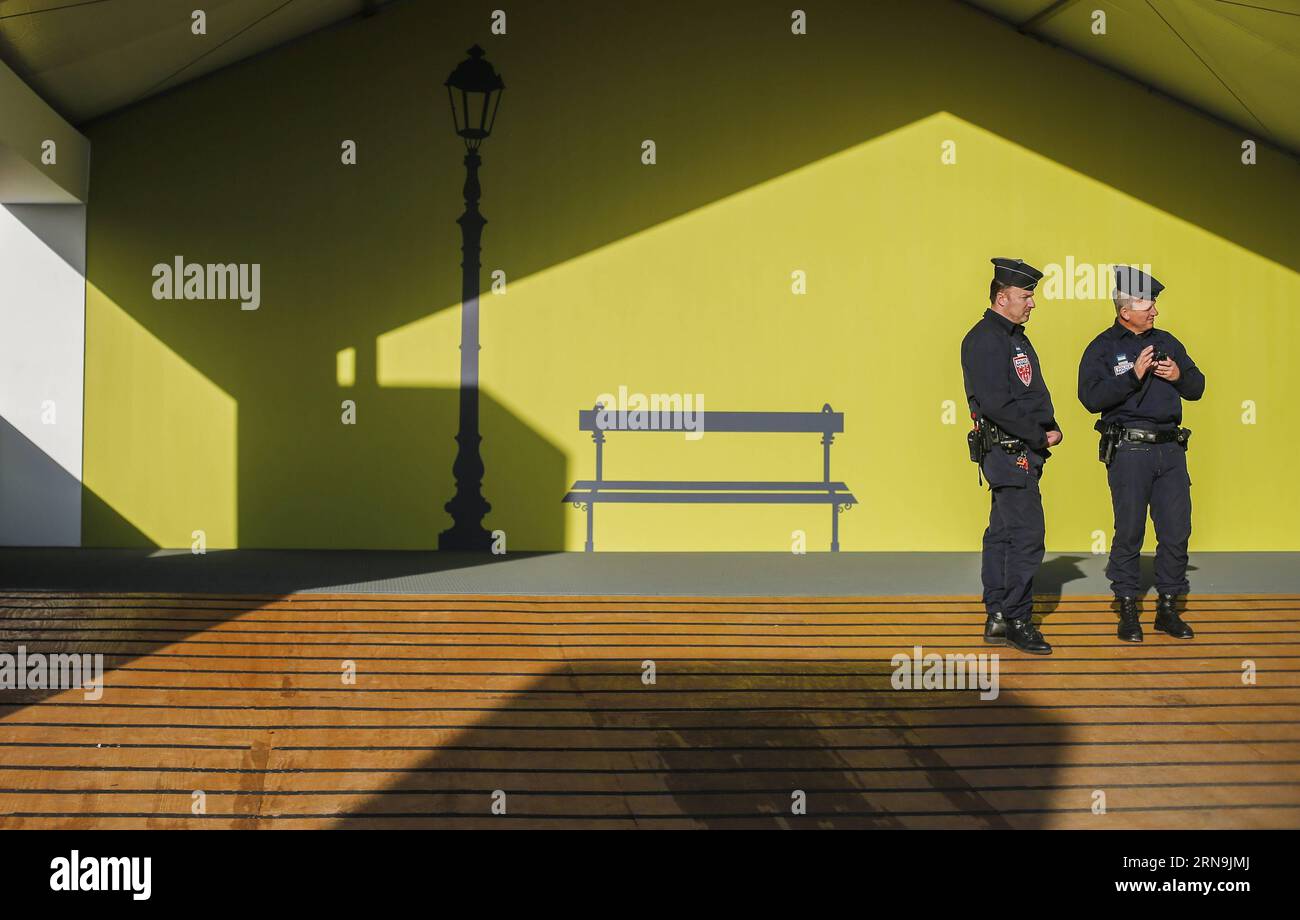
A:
1112	435
1152	437
983	437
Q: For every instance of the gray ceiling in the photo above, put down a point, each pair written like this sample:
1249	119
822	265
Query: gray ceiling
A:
88	57
1237	60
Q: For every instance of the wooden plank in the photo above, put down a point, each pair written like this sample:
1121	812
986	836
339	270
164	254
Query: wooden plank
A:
542	697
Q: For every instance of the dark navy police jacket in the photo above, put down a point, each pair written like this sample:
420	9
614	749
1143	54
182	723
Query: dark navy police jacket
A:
1109	385
1004	383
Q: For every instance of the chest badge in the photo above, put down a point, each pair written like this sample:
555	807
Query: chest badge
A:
1024	370
1122	365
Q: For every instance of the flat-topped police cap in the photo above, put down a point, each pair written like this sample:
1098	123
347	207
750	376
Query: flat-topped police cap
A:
1134	283
1015	272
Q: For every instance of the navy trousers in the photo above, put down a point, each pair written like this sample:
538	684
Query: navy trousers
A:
1142	477
1013	546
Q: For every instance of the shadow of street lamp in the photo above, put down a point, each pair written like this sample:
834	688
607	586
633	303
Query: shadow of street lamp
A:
474	90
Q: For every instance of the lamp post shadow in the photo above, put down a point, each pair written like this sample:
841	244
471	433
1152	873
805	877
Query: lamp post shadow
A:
474	91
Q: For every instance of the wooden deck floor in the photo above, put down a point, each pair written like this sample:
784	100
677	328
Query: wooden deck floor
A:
242	699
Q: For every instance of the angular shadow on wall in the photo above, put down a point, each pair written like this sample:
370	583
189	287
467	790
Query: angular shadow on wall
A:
382	482
46	223
41	505
352	253
42	293
857	51
295	457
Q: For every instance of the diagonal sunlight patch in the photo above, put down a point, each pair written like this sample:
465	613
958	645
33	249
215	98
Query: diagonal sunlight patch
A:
423	353
894	245
179	474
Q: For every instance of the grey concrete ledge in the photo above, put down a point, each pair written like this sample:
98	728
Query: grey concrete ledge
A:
684	574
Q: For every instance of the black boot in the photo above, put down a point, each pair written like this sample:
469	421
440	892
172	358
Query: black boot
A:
1130	624
1167	619
995	628
1024	635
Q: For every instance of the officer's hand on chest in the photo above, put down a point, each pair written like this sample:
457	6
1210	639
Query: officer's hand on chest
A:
1144	361
1168	370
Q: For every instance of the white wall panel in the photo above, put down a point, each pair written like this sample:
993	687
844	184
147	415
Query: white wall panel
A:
42	351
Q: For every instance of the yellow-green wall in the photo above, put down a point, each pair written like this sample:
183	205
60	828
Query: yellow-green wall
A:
776	153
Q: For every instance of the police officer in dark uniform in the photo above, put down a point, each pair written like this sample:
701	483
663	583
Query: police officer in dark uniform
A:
1015	425
1137	377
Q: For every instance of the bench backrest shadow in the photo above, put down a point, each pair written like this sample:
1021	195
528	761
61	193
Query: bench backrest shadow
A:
827	422
585	493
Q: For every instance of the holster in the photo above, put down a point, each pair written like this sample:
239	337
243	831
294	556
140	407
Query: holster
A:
1110	437
983	437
